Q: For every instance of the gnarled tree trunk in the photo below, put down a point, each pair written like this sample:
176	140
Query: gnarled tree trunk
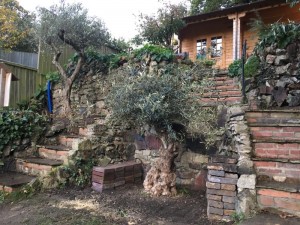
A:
161	179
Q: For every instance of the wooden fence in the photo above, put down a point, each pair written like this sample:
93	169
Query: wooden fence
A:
21	58
28	83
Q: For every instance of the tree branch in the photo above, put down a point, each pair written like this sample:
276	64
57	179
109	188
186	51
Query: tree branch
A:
77	69
61	35
56	63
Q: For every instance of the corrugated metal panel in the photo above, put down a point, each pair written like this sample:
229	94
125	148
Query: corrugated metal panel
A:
22	58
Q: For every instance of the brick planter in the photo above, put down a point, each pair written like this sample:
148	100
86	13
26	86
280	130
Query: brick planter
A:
221	187
113	176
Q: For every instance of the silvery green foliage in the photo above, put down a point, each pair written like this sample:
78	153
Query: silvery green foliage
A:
166	102
72	22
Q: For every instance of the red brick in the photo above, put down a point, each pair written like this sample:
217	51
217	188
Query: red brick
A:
228	212
264	145
228	187
229	199
273	193
287	204
257	134
217	211
264	164
216	204
214	197
221	192
265	201
229	205
291	129
213	185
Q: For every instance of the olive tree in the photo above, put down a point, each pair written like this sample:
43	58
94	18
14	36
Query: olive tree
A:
69	25
165	106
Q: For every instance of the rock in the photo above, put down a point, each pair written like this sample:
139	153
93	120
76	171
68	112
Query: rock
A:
280	95
245	166
281	60
55	128
247	181
293	100
246	203
104	161
283	81
281	70
279	178
270	59
280	51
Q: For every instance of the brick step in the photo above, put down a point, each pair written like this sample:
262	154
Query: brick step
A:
280	132
217	101
11	181
92	130
223	94
284	201
58	152
274	169
289	151
220	77
75	142
222	88
273	117
36	166
279	186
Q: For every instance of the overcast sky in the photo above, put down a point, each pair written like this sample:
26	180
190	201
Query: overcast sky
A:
118	15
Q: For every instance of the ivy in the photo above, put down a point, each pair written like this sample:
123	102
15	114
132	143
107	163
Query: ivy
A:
18	125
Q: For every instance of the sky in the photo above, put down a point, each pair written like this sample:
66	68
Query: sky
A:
118	15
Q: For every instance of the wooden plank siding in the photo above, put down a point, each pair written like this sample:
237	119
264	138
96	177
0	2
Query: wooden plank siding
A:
224	27
28	83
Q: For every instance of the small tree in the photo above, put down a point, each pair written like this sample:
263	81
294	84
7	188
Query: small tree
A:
160	29
69	24
162	105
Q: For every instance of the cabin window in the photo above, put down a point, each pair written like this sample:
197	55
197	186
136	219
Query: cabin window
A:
201	48
216	47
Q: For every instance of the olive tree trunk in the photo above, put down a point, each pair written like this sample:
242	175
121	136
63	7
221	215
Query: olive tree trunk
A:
161	178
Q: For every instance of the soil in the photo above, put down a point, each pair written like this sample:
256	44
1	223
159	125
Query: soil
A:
126	205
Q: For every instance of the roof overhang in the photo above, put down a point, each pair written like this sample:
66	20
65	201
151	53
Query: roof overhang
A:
7	70
248	7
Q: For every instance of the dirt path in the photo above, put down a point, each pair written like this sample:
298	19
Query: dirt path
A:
127	205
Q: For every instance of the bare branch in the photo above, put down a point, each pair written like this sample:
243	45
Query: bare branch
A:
61	35
77	68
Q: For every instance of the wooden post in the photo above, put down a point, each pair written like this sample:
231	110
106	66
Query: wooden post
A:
7	89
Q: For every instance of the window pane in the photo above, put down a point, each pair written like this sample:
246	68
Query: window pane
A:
201	49
216	47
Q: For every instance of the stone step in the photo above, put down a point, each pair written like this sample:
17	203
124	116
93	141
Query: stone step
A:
279	200
274	169
278	132
36	166
58	152
273	150
11	181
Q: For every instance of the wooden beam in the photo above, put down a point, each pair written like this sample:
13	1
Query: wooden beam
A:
7	89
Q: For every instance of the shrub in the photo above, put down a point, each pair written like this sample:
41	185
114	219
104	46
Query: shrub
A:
252	66
18	125
235	68
156	53
280	34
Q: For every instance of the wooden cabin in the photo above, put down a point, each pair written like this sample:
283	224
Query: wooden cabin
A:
219	34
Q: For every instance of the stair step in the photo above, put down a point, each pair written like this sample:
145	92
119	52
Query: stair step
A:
36	166
70	141
283	160
279	186
10	181
274	168
284	201
290	151
281	133
55	152
223	88
274	125
274	140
